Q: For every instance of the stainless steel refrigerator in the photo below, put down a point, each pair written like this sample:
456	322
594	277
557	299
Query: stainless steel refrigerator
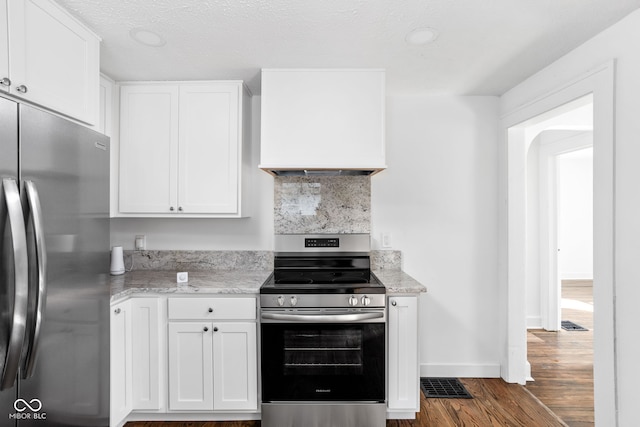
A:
54	264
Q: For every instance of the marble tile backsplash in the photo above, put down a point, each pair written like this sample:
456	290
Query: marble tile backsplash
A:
198	260
328	204
230	260
386	260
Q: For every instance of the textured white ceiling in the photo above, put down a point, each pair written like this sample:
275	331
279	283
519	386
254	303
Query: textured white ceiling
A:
484	47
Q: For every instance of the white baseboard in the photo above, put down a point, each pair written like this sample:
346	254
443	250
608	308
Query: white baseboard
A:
488	370
534	322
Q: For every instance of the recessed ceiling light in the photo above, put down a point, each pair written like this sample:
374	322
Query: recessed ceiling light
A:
421	36
147	37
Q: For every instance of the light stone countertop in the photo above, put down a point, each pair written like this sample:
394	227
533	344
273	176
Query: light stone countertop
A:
398	282
228	282
200	282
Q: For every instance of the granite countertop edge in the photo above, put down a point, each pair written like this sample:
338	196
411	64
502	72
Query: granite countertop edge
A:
247	282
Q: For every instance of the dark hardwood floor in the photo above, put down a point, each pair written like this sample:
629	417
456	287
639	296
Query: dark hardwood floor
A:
562	362
495	403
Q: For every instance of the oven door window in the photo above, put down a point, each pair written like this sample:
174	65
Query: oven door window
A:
323	361
323	351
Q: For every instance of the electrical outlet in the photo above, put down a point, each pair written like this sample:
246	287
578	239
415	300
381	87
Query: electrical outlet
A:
182	277
386	240
141	242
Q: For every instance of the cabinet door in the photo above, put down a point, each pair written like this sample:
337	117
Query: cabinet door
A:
209	148
235	366
55	58
404	376
145	352
4	46
190	366
148	149
121	397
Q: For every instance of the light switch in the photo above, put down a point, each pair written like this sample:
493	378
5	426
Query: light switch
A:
386	240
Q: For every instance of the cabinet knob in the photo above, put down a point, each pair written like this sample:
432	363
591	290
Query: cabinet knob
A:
22	89
5	82
116	311
180	208
206	329
215	329
394	303
171	209
210	310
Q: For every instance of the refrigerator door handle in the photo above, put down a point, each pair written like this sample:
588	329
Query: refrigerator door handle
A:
38	285
21	277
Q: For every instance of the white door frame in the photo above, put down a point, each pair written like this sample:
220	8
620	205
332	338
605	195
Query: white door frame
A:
550	288
512	253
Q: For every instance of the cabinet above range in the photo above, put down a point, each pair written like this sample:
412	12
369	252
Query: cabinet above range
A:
183	149
322	121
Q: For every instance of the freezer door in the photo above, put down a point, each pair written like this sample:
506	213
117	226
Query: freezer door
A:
69	166
8	170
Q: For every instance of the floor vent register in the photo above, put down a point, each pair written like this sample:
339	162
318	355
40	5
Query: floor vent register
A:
568	325
444	388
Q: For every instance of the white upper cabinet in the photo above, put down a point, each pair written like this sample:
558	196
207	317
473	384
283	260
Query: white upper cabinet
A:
4	47
322	119
148	149
49	58
182	148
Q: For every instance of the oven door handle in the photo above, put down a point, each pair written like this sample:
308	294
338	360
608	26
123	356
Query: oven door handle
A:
323	318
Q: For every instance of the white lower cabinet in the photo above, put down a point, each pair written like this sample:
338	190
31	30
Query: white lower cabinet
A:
190	366
120	351
235	373
404	374
194	358
145	353
212	364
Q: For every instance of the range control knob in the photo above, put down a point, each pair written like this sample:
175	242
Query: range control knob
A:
280	300
294	300
353	301
366	300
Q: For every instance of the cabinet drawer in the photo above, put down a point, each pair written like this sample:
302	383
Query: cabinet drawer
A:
212	308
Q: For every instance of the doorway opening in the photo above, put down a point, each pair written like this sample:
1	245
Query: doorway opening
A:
559	240
599	83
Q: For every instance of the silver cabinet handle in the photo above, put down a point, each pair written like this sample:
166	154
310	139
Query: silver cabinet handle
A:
5	82
22	89
210	310
171	209
180	208
322	318
215	329
117	311
38	286
394	303
11	197
206	329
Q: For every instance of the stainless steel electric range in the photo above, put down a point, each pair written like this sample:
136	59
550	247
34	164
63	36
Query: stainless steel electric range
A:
323	339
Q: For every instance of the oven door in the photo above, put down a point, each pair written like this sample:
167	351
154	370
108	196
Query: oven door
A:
326	360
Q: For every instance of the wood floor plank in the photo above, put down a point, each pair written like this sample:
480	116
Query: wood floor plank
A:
562	361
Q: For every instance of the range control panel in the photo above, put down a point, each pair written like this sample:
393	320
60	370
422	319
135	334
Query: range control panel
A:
322	242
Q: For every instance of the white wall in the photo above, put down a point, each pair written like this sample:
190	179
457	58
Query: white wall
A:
253	233
438	199
617	42
575	214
